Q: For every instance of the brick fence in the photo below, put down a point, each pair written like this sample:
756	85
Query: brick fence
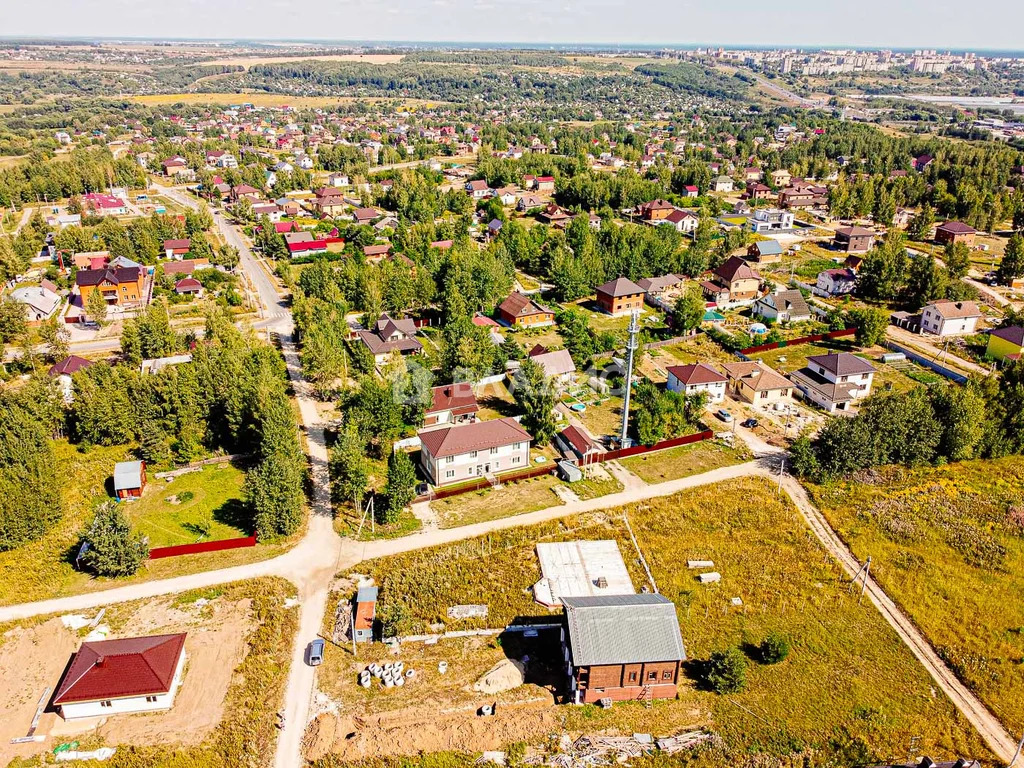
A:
202	546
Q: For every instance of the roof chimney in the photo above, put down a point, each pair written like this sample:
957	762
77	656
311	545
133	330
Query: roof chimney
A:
99	661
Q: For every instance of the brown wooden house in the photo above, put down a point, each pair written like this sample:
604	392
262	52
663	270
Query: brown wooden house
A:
622	648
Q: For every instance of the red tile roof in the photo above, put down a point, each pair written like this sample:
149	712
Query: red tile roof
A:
116	669
457	398
696	373
69	365
957	228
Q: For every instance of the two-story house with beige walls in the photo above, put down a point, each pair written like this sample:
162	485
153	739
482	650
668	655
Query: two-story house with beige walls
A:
464	452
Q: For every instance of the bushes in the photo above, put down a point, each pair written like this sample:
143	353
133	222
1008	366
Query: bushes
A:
726	671
774	648
113	549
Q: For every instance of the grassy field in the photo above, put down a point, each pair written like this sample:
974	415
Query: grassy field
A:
896	378
180	511
948	544
44	568
686	460
849	690
493	503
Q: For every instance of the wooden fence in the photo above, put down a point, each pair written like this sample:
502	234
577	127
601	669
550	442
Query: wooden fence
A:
202	546
801	340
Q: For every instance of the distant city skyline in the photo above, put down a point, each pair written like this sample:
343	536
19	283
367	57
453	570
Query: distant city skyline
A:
939	24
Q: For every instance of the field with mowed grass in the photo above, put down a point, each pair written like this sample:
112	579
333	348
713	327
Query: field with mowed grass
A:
44	568
849	690
947	543
198	506
685	460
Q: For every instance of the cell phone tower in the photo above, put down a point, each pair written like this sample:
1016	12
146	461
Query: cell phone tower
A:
631	346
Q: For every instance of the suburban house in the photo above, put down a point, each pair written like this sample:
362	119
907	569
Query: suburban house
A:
365	215
722	184
451	404
765	251
683	221
303	243
781	177
758	191
854	239
836	282
621	647
756	383
577	445
655	210
554	214
620	296
478	189
63	370
40	301
389	335
545	183
364	614
329	201
104	205
112	677
457	453
558	365
520	310
803	195
950	318
696	378
833	382
527	202
657	286
770	220
507	195
1005	343
129	479
731	281
177	249
120	286
783	306
955	232
188	286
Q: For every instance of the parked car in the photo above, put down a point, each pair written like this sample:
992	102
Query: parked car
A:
749	423
315	655
724	415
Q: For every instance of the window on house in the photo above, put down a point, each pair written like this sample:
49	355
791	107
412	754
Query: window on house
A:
652	675
632	677
764	394
666	675
494	451
151	699
449	459
472	454
106	704
515	459
450	473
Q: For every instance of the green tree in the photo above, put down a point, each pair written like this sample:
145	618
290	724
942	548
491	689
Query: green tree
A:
964	420
926	282
536	399
870	324
349	468
30	497
774	648
1012	265
96	307
726	671
646	410
113	548
957	257
920	225
274	487
400	489
689	309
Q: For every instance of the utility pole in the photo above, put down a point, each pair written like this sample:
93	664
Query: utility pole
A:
1020	745
631	345
863	574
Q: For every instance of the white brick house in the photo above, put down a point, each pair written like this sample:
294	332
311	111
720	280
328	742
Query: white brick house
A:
464	452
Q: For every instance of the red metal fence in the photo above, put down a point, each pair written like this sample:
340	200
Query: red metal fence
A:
202	546
636	450
550	469
801	340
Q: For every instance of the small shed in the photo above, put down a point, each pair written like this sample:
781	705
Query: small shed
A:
129	479
366	612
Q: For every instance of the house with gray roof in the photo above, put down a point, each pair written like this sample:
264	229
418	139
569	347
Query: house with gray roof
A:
621	648
834	382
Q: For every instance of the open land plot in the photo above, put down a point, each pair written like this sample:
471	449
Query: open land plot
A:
849	688
947	544
44	568
898	377
198	506
237	657
685	460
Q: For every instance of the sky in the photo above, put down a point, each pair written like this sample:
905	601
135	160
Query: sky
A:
941	24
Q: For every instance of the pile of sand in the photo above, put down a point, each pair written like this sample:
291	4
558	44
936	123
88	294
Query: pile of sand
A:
503	676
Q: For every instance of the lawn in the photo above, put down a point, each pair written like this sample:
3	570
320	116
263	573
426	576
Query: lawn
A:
44	568
849	690
198	506
493	503
696	349
948	544
602	416
685	460
898	377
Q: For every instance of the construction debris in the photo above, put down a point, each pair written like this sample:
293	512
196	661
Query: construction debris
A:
342	622
709	578
588	751
691	564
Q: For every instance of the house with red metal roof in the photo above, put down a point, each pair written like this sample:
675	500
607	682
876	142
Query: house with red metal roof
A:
470	451
696	378
111	677
451	404
520	310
